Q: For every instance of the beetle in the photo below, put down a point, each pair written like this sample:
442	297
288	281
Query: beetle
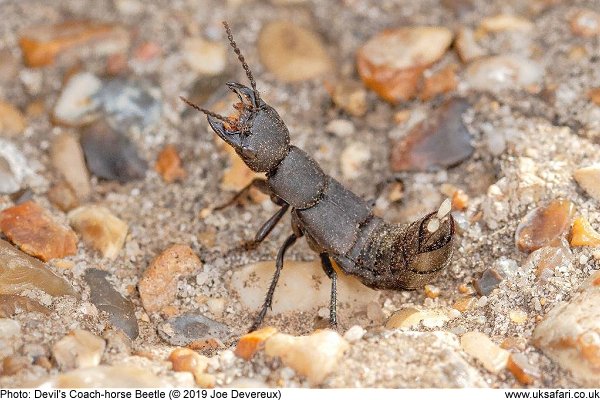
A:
336	223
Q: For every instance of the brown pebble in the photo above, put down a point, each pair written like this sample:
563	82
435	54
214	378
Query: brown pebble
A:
432	291
582	234
514	343
250	343
42	44
186	360
489	280
460	200
43	362
158	286
168	164
350	96
11	304
12	365
34	230
439	142
238	176
594	95
520	367
545	225
67	158
63	196
99	229
546	259
441	82
12	121
464	303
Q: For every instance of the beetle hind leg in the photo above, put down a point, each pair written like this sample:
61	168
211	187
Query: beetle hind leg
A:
330	272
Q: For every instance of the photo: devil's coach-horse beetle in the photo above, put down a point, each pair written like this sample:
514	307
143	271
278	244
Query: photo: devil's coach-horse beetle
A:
336	223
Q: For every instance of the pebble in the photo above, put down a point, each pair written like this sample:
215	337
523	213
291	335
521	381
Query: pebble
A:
8	181
67	158
503	72
252	342
594	95
432	291
354	334
467	47
120	310
12	365
19	272
251	282
517	316
440	82
548	258
203	56
489	280
36	232
314	356
158	285
505	22
522	369
582	234
353	160
99	229
79	349
480	347
77	105
545	225
168	164
104	376
63	196
569	333
10	334
585	23
11	304
589	180
439	142
412	317
292	53
350	96
111	155
186	360
12	121
42	45
465	304
238	176
340	127
193	329
392	63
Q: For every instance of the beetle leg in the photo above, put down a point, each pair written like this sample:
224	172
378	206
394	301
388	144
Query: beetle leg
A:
259	183
267	227
330	272
278	267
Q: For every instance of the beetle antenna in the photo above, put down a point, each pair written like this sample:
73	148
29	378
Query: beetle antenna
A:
205	111
237	51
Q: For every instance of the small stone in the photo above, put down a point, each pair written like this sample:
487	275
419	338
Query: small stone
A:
104	376
505	22
519	317
582	234
569	333
522	369
79	349
205	57
489	280
514	343
10	328
192	328
350	96
594	96
460	200
186	360
589	180
292	53
585	23
392	63
158	286
353	160
439	142
340	127
251	342
31	228
503	72
12	121
465	304
354	334
441	82
467	47
99	229
67	159
412	317
251	282
63	196
41	45
216	306
545	225
548	258
120	310
479	346
77	104
111	155
432	291
12	304
19	272
12	365
168	164
8	181
314	356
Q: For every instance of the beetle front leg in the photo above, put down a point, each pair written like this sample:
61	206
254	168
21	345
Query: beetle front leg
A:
330	272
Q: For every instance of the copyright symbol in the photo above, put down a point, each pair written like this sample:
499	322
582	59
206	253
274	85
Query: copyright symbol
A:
175	394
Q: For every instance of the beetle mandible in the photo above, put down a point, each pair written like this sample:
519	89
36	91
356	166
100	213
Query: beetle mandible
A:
336	223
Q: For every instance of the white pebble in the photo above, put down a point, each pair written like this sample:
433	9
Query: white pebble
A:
583	259
340	127
354	334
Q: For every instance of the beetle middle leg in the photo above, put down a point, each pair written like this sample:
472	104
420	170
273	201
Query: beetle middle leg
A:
278	267
258	183
330	272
